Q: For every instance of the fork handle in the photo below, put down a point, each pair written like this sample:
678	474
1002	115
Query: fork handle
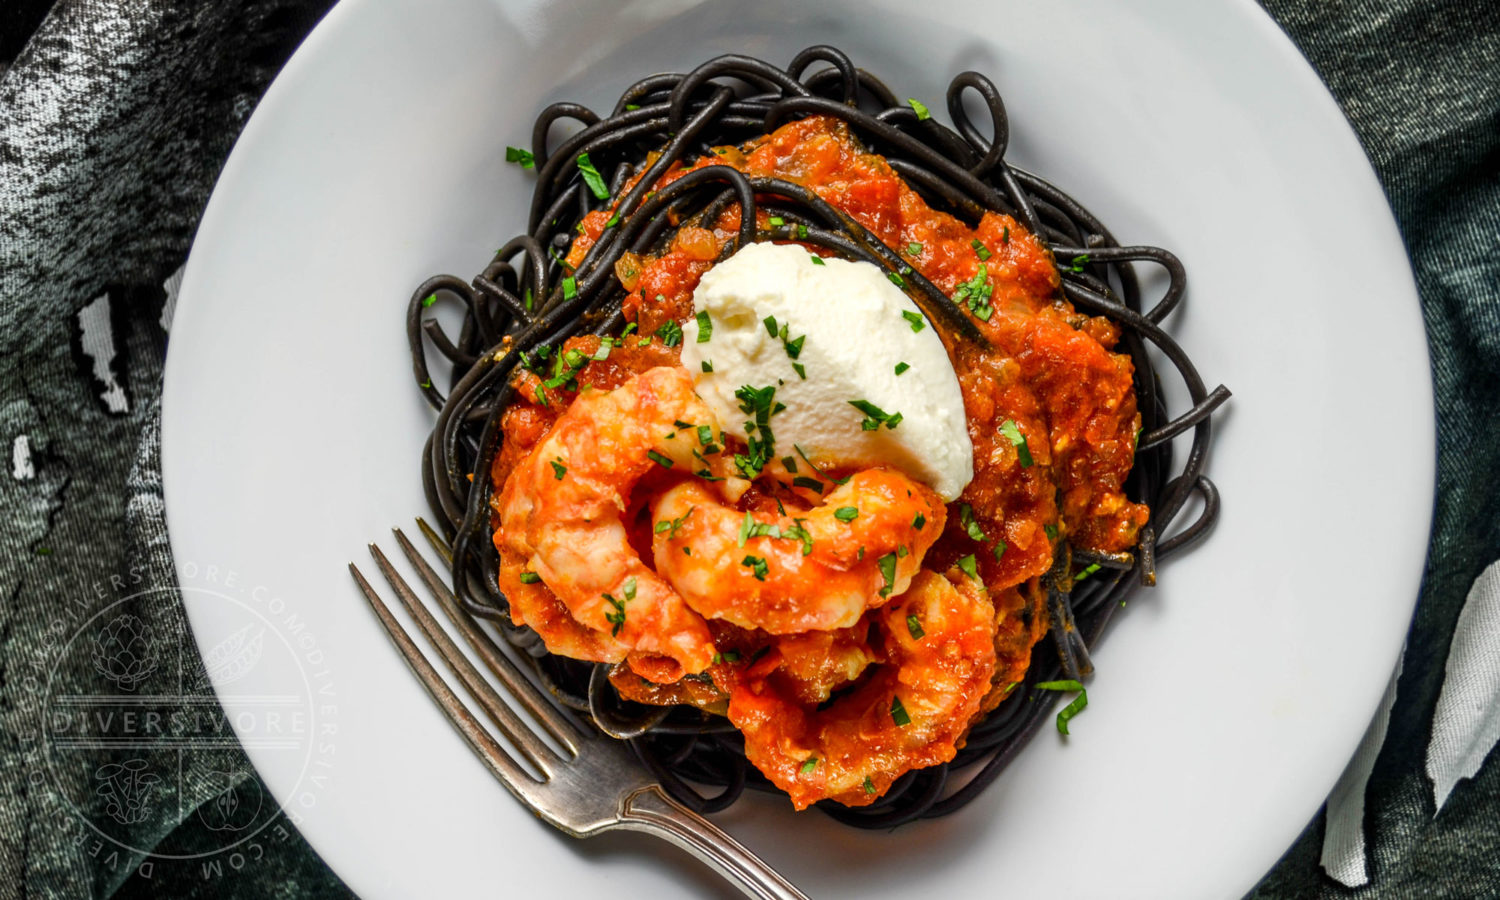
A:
651	811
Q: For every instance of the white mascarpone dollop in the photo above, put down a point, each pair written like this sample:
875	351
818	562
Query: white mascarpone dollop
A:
855	328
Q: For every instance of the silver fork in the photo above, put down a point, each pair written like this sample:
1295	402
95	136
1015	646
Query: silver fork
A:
595	785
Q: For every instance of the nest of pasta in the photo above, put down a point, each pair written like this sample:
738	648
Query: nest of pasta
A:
745	617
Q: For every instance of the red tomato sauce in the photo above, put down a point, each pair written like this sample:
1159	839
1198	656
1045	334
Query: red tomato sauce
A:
1050	388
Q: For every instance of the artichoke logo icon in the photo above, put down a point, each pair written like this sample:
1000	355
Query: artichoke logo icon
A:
125	651
125	788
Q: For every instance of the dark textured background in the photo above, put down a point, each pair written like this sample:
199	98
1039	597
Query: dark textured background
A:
115	118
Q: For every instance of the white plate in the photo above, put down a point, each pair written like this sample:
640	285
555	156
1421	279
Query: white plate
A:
1227	700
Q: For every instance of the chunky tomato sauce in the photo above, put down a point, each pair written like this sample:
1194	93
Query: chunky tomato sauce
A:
1050	387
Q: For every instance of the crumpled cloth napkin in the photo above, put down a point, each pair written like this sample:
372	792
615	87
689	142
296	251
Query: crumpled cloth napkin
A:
115	118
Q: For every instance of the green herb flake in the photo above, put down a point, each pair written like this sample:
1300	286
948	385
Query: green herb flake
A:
901	367
915	318
897	280
869	785
756	565
1005	235
1051	531
670	333
919	521
521	157
800	370
777	221
914	249
790	462
629	107
809	764
966	518
812	484
745	527
770	323
1013	433
980	250
969	566
846	513
887	566
592	178
671	526
616	618
705	327
1079	262
628	589
530	578
999	550
914	626
898	712
818	260
429	300
1091	569
559	469
875	416
920	109
801	232
1079	704
707	365
659	459
569	288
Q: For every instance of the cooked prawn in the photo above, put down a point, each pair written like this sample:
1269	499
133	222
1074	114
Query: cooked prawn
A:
939	638
790	574
561	519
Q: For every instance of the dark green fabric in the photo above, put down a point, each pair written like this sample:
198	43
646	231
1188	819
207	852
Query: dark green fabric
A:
115	118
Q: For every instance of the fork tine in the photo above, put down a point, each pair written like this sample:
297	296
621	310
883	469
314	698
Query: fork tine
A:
485	747
529	696
510	725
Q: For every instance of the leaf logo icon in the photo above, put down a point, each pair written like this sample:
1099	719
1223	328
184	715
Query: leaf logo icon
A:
232	658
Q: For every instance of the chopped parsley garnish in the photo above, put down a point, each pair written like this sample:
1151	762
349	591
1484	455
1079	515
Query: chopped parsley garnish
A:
728	656
672	526
592	178
1072	709
809	764
976	292
429	300
887	566
617	618
818	260
802	232
1014	435
799	533
846	513
812	484
707	365
800	370
1091	569
869	785
916	320
1051	531
570	288
629	588
966	517
791	463
969	566
793	348
913	249
919	521
919	108
522	157
565	369
530	578
705	435
814	466
901	367
1079	262
897	280
559	469
613	221
603	352
670	333
632	106
760	403
777	221
999	550
659	459
914	625
756	565
898	712
705	327
770	323
875	416
527	299
1005	235
980	250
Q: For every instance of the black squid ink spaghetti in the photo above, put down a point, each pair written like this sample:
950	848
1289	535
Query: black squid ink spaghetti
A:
1076	493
